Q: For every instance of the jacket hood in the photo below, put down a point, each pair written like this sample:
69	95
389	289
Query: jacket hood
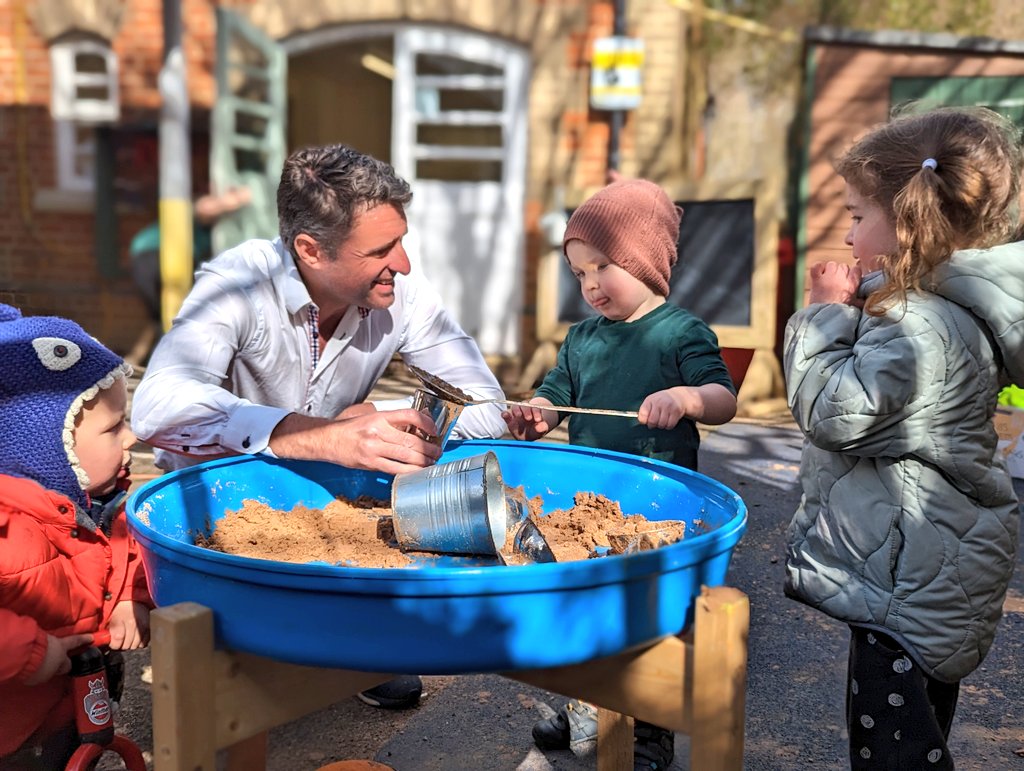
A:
989	283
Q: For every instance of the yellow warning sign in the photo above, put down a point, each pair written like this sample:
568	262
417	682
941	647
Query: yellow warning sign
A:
616	70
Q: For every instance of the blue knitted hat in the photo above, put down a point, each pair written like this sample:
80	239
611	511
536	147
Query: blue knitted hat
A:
50	368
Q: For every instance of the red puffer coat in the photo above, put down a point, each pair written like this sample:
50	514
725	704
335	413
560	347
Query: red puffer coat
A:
58	575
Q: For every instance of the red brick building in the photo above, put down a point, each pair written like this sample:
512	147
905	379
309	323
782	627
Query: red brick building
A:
855	78
483	106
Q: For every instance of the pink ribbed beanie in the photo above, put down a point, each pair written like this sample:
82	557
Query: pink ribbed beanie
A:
635	225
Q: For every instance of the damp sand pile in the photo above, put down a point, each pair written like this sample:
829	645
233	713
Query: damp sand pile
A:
359	532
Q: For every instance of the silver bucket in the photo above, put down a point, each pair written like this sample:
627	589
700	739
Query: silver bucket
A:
451	508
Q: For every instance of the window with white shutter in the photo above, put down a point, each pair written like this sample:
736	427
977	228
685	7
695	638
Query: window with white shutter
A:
84	78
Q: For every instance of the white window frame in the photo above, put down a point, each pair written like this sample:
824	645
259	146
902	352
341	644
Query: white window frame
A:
65	100
68	152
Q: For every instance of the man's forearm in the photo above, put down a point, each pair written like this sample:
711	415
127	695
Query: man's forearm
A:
300	437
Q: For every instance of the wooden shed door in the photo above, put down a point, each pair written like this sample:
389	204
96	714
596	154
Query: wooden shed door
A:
248	130
1005	95
459	138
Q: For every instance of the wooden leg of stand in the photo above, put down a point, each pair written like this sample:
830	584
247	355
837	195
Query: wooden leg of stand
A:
184	736
614	740
721	625
249	754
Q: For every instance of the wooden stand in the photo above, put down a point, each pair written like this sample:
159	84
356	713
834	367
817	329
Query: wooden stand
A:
205	700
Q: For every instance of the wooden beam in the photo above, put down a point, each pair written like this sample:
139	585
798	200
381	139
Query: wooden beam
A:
614	740
720	630
248	754
648	683
254	694
183	690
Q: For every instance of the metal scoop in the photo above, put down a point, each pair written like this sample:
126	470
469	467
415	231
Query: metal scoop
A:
447	391
527	540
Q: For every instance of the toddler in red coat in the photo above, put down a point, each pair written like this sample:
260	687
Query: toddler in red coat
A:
68	566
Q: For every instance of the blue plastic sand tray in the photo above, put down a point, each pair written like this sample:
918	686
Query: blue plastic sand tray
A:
441	617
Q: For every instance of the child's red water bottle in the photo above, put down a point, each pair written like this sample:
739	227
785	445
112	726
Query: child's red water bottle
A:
94	714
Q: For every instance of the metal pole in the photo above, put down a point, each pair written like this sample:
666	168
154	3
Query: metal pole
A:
175	170
618	117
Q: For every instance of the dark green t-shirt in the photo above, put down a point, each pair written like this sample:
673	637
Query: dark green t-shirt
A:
617	364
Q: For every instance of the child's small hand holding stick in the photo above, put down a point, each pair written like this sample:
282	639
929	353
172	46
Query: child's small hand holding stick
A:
711	404
530	423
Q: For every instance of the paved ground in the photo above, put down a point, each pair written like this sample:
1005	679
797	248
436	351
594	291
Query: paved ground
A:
796	666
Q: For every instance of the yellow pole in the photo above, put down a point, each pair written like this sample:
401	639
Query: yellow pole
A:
175	256
175	170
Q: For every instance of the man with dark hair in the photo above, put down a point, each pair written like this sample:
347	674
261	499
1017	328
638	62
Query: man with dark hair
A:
280	342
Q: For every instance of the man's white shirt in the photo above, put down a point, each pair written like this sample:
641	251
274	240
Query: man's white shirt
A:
239	358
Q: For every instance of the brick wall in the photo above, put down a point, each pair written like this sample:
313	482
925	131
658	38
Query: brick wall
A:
48	262
568	142
851	94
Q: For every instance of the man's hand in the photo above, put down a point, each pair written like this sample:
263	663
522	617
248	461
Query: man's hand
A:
378	441
355	410
833	282
55	661
129	626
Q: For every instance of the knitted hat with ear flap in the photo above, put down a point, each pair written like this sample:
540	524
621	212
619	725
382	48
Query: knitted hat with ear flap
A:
50	368
634	224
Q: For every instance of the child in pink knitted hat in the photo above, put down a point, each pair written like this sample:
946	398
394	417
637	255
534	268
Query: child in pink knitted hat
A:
641	353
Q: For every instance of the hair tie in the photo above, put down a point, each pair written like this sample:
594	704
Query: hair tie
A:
929	163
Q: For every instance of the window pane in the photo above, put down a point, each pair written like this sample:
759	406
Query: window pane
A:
89	62
439	64
464	99
459	171
95	93
473	136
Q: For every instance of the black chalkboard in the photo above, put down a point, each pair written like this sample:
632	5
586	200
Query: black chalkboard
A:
711	279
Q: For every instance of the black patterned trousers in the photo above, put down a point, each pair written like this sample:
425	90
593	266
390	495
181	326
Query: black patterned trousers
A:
898	717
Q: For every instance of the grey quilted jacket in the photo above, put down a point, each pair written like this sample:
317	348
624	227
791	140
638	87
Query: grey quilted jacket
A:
908	521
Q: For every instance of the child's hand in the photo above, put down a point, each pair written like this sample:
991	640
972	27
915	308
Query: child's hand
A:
526	423
711	403
56	661
833	282
129	626
664	409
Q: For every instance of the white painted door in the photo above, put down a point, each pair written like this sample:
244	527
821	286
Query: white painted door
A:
459	138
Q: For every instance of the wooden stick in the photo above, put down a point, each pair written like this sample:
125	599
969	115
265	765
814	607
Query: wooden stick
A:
584	410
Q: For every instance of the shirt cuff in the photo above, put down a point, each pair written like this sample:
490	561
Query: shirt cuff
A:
250	426
385	405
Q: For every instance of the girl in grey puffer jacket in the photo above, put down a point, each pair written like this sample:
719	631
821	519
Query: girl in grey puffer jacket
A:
908	527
